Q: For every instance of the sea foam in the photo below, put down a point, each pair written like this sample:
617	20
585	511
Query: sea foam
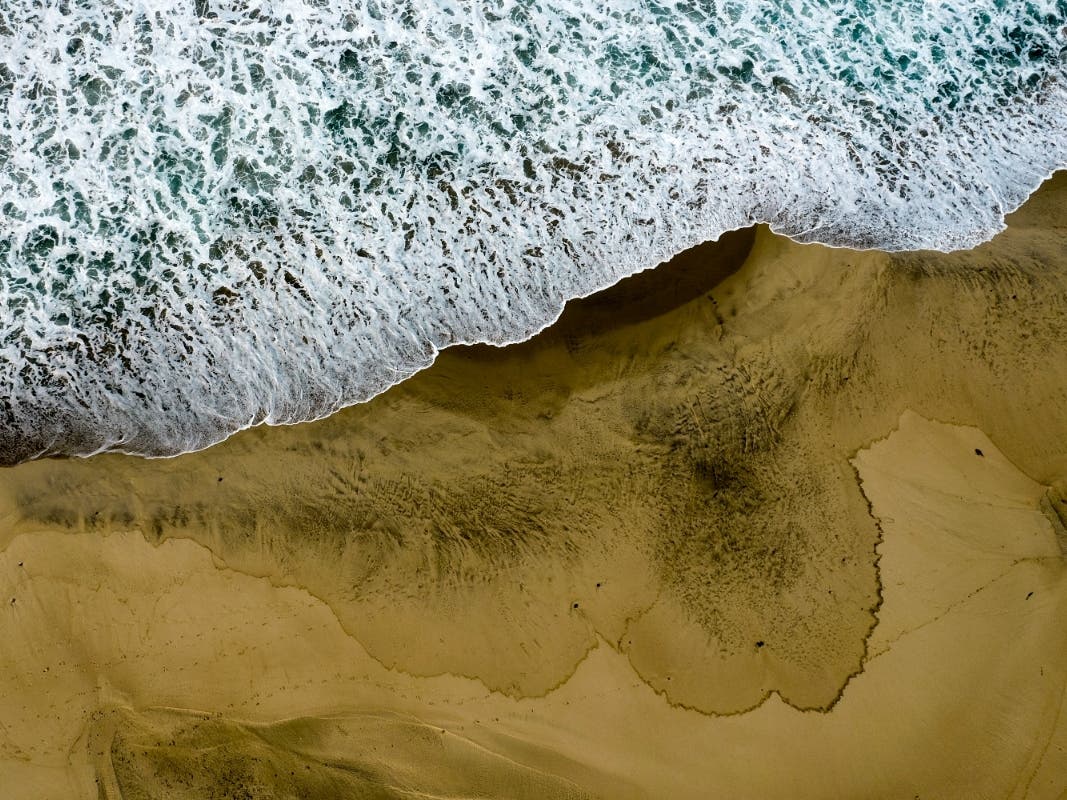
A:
216	214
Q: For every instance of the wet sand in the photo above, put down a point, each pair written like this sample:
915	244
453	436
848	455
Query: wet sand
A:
772	520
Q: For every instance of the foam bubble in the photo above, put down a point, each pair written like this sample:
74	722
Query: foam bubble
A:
217	214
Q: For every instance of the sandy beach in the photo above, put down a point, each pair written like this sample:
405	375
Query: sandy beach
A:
771	520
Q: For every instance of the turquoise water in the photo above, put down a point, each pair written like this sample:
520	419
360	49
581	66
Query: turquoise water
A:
214	214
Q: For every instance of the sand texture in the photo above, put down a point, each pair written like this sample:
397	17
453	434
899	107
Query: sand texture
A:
772	520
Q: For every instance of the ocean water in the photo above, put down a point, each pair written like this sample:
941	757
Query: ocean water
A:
217	213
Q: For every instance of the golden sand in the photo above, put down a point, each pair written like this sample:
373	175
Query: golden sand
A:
701	538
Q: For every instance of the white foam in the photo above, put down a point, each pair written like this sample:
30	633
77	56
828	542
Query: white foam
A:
220	214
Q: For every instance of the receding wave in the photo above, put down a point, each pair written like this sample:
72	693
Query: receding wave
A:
216	214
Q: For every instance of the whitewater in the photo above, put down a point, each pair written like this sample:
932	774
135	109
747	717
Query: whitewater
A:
219	214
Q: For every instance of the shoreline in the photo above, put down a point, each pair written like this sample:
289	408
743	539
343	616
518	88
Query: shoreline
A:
436	349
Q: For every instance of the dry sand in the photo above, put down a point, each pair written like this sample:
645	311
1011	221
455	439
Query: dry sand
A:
702	538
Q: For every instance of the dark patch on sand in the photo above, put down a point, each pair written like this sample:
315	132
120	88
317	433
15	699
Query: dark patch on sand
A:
188	756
